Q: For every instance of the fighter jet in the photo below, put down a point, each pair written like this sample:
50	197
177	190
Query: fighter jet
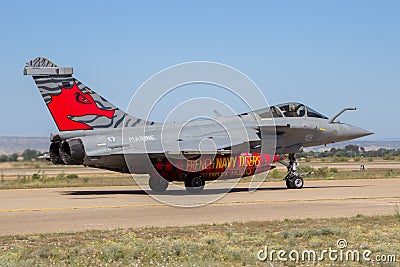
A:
93	132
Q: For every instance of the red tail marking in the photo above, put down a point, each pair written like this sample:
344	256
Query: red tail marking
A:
73	102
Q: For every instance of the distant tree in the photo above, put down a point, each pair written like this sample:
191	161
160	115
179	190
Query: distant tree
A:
12	157
371	153
352	148
381	152
3	158
343	153
301	154
30	154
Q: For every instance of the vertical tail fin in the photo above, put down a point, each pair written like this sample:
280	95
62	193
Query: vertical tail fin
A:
71	103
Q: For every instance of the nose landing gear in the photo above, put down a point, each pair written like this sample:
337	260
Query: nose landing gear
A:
293	178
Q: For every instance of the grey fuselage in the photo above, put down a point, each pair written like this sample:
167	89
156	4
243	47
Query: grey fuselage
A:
135	149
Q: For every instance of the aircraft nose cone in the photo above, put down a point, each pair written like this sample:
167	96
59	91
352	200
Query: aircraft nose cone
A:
356	132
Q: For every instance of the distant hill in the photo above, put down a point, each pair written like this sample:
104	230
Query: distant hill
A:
368	145
14	144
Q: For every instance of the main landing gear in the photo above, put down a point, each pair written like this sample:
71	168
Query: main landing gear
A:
158	184
193	183
293	179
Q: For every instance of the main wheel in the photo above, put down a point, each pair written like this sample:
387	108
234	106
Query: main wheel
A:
194	184
297	182
158	184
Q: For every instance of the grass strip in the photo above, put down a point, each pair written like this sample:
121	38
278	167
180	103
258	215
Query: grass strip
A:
231	244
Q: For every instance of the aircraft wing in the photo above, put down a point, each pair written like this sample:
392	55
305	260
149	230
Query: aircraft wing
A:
197	138
203	142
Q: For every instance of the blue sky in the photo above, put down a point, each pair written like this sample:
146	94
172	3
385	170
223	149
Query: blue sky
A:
327	54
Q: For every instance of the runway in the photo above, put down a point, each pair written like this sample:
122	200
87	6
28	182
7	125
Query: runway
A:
25	211
12	171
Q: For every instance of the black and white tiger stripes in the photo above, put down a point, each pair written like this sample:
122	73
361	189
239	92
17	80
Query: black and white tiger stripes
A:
52	85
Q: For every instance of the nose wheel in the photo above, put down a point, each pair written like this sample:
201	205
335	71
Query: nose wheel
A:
293	179
294	182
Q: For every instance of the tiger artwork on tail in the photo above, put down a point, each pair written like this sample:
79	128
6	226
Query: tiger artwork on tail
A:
74	106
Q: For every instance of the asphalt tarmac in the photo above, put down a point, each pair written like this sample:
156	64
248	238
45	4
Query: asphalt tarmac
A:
12	171
24	211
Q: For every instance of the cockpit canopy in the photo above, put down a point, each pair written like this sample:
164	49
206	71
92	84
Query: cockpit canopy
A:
292	109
